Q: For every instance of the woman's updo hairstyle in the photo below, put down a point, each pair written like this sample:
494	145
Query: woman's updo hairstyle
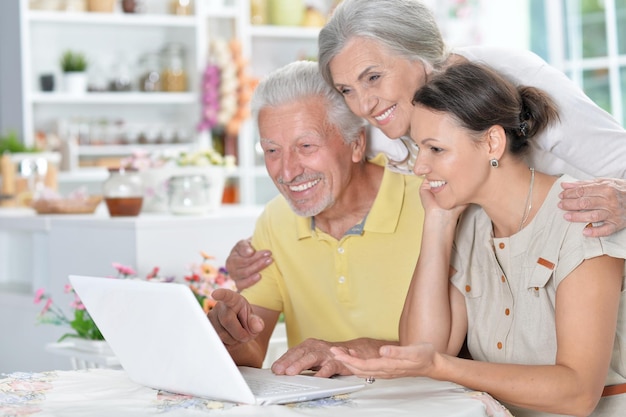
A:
479	98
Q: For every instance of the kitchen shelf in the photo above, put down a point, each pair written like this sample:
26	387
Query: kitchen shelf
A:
115	19
104	38
284	32
123	150
115	98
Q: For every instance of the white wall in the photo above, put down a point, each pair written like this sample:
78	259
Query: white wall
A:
491	22
506	23
10	74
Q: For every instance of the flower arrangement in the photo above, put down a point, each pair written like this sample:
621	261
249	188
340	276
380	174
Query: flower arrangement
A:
205	157
202	280
82	323
205	278
141	160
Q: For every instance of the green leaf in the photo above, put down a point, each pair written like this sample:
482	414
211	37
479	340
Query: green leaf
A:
84	326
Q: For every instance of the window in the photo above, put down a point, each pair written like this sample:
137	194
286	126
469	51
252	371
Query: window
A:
587	40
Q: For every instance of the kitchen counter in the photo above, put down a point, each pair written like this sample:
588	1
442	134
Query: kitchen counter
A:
40	251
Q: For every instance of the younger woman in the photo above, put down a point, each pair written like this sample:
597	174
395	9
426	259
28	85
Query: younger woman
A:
538	300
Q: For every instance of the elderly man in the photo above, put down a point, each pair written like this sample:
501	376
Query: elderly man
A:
343	234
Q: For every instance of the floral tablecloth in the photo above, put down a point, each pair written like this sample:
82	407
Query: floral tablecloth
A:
108	392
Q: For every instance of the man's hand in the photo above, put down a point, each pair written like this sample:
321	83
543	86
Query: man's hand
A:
244	264
314	354
233	319
600	200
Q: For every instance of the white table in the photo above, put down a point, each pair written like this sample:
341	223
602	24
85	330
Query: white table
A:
108	392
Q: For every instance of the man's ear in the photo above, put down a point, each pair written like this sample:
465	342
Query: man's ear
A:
359	147
496	142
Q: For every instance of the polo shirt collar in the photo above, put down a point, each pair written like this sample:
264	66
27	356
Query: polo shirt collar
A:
385	212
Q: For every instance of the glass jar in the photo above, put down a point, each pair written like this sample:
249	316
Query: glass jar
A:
123	192
150	78
173	75
181	7
188	194
286	12
258	12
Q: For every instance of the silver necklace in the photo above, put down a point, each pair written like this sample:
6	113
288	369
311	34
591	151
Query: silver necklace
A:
529	199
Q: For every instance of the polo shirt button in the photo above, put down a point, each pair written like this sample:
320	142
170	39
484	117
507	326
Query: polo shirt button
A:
507	311
342	279
499	345
340	250
501	245
503	278
468	288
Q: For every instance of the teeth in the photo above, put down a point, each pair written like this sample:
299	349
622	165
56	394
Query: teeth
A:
304	186
385	114
436	184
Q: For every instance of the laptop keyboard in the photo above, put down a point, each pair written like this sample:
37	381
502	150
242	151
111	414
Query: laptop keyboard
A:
264	387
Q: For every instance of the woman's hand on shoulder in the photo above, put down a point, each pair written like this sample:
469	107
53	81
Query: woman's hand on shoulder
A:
601	200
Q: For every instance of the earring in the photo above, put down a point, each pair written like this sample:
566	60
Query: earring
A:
494	163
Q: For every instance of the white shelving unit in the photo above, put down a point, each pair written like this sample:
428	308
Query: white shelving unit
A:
105	37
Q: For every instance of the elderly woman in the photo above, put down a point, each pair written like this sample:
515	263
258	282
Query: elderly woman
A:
377	53
539	301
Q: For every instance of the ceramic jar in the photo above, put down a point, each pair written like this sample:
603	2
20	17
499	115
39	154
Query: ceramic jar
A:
123	192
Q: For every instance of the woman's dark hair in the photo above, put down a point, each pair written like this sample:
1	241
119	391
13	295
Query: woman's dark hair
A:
478	98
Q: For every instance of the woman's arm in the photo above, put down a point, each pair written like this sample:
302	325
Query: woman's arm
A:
586	319
428	315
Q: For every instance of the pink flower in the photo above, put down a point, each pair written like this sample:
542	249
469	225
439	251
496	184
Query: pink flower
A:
124	270
153	274
67	289
45	308
39	295
77	304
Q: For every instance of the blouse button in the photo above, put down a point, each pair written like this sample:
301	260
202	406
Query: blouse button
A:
499	345
340	250
342	279
507	311
501	245
502	278
468	288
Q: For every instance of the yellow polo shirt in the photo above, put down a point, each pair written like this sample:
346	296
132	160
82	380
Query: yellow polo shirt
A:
343	289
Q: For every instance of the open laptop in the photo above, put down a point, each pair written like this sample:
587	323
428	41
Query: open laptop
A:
163	340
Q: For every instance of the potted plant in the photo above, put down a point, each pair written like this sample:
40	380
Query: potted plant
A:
74	66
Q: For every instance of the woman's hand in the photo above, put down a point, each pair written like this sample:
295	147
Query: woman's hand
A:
432	207
600	200
394	361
